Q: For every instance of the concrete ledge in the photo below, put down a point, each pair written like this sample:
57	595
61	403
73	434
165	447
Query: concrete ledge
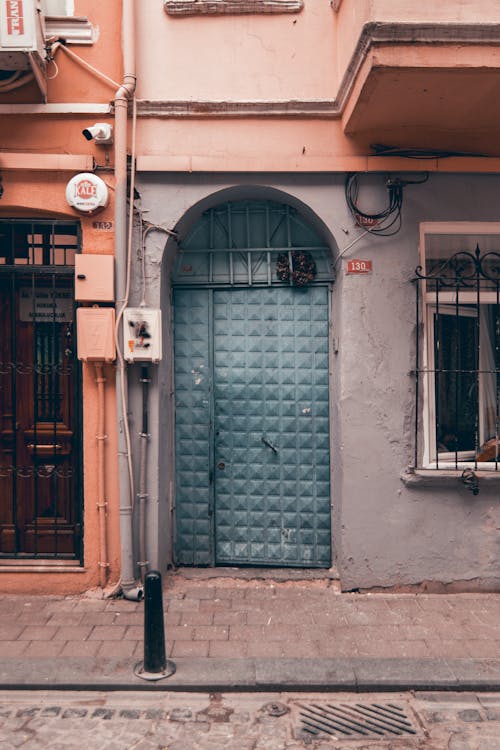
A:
255	675
404	674
214	7
307	674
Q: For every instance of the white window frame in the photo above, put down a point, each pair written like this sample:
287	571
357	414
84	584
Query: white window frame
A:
448	301
69	8
61	23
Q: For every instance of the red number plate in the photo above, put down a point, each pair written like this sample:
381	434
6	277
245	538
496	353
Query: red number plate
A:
359	266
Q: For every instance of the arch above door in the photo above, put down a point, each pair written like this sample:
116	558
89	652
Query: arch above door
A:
252	243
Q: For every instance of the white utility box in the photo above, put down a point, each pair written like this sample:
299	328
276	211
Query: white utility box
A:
142	334
95	328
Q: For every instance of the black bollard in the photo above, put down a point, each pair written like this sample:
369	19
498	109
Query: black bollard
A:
155	659
155	665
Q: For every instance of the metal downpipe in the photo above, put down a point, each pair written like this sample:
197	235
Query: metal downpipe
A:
143	490
125	93
102	505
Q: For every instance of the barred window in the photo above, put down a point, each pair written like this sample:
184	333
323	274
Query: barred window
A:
458	359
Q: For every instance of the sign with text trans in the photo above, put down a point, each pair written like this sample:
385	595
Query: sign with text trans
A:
17	25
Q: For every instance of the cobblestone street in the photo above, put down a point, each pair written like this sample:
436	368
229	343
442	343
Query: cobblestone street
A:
33	720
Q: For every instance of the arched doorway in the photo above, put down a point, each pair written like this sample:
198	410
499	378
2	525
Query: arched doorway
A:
251	301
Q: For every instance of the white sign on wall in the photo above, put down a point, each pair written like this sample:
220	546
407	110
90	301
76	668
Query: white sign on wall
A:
16	24
87	193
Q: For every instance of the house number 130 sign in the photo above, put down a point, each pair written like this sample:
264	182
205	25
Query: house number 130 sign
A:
359	266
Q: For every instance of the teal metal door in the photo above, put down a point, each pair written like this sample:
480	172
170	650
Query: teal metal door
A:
252	426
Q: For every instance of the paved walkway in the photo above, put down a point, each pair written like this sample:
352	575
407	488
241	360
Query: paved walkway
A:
212	620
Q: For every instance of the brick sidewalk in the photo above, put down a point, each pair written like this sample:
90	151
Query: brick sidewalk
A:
233	618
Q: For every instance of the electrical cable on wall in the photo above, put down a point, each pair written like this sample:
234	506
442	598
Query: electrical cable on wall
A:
15	81
346	249
386	222
418	153
60	45
146	228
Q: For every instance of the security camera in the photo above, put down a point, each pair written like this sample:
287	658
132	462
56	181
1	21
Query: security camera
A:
101	133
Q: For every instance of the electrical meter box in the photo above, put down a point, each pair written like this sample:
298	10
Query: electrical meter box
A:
94	280
142	334
96	334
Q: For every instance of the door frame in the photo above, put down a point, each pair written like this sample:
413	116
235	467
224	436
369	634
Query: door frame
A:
161	531
47	259
184	269
211	442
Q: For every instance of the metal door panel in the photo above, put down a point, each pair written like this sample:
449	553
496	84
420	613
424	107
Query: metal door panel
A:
272	506
192	447
252	364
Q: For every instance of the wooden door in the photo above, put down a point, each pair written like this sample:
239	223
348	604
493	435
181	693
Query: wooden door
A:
39	510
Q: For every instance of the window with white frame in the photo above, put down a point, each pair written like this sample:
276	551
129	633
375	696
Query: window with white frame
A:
61	23
458	360
59	7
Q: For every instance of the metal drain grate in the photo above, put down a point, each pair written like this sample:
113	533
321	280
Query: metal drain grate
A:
368	720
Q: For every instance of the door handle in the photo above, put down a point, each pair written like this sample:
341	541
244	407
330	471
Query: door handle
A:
269	444
44	446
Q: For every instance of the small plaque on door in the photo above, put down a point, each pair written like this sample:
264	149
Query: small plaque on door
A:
45	305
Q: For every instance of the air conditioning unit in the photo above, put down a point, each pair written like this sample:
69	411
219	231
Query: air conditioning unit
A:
22	42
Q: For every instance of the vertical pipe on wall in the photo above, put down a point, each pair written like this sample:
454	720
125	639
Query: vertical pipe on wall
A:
102	506
143	493
122	259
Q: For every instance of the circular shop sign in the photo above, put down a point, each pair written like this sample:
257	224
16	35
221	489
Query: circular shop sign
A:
87	193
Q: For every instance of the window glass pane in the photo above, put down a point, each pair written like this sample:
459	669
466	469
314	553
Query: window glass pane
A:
38	243
48	360
456	382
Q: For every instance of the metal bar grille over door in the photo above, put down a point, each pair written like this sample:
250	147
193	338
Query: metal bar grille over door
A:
263	438
40	513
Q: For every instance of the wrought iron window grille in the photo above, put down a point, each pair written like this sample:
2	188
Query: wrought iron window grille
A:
252	243
458	363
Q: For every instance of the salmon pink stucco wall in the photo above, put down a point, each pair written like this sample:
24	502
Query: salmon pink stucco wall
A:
218	58
246	143
42	149
33	194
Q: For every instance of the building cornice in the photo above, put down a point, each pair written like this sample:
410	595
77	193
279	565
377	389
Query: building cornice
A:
57	108
226	7
73	29
235	109
15	160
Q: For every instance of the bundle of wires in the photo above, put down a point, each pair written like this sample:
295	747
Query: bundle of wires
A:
387	221
14	79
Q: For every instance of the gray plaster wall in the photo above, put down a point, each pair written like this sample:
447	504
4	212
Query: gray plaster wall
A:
385	532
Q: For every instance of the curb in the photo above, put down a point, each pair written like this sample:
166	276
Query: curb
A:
257	675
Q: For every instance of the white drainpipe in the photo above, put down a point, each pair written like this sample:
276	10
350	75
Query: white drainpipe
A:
102	505
123	96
